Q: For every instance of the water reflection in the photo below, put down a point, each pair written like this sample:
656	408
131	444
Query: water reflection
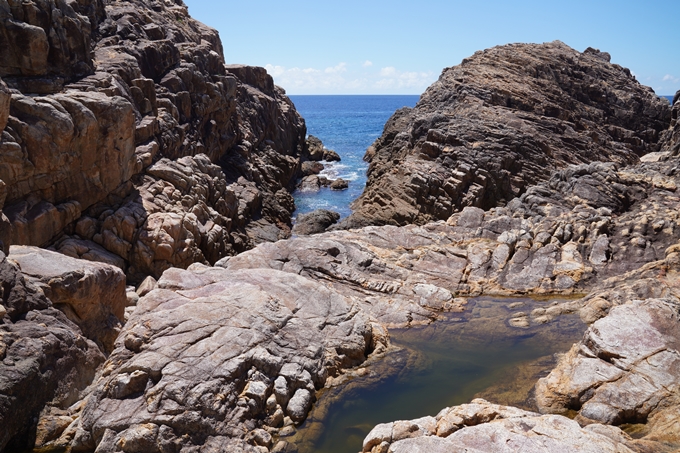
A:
450	362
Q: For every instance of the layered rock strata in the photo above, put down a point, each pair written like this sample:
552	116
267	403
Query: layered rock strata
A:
213	357
503	120
587	223
99	114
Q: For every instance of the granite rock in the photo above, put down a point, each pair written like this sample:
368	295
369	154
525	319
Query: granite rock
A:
44	358
127	90
91	295
484	427
202	354
315	222
501	121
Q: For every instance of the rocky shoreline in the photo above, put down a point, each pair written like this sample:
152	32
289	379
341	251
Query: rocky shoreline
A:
168	312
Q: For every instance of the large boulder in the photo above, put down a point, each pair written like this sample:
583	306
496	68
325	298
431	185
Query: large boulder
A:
315	222
91	295
44	358
625	370
502	120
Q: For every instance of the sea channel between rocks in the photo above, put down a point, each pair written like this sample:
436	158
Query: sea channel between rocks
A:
488	350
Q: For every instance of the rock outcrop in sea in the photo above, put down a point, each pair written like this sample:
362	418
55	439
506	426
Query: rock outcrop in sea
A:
501	121
127	140
139	158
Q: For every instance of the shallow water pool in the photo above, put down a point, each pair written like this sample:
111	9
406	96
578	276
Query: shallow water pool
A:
450	362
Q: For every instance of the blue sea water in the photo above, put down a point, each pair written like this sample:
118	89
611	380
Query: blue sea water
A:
348	125
670	98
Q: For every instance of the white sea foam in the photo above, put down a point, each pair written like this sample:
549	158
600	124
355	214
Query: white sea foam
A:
335	170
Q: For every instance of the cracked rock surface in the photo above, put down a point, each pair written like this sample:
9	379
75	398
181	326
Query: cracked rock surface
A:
501	121
44	358
587	223
484	427
122	123
213	356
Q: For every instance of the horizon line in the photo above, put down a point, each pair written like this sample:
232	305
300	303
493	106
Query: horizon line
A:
354	94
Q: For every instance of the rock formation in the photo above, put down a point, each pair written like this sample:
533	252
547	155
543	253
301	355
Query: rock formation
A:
316	151
315	222
484	427
91	295
211	357
44	356
127	141
671	142
503	120
122	123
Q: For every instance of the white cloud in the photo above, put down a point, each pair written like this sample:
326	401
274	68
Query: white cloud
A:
341	67
670	78
367	64
343	79
393	79
389	71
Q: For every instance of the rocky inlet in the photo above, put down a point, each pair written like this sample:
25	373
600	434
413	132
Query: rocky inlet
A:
151	299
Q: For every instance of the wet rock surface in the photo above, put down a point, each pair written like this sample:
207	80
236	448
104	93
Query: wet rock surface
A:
316	151
108	100
502	120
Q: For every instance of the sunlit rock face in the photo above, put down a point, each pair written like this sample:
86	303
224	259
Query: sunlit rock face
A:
502	120
121	124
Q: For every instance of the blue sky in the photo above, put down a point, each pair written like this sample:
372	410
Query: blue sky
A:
401	47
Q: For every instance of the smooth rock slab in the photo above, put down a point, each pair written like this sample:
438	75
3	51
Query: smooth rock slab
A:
625	369
205	350
490	428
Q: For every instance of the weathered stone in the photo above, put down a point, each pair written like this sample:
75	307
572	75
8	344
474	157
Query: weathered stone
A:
43	359
339	184
625	368
291	335
92	143
92	295
316	151
485	427
502	120
315	222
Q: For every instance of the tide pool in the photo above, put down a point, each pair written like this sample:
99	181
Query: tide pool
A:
474	354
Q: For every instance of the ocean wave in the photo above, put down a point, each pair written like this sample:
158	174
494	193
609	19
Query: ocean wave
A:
334	170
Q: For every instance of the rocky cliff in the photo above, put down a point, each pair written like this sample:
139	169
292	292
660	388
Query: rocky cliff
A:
502	120
126	139
671	142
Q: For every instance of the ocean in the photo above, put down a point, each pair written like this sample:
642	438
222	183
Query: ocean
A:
348	125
